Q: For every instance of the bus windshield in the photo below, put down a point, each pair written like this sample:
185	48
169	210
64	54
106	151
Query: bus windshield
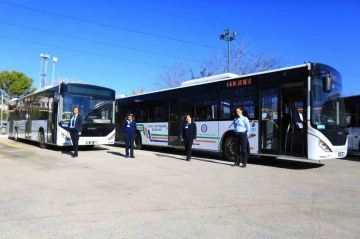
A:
327	109
101	113
95	109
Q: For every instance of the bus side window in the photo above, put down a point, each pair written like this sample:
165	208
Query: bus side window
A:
204	106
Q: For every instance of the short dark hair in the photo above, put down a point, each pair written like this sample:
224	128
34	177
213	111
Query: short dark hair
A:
75	107
130	114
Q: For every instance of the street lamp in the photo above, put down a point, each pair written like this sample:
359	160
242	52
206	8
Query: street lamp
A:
53	73
228	38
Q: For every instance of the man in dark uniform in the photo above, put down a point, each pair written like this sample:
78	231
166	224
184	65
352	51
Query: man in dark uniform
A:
188	136
129	128
75	128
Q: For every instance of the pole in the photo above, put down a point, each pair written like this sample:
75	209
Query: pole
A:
228	40
53	74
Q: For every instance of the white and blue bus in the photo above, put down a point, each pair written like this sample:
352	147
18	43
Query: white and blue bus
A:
295	113
44	115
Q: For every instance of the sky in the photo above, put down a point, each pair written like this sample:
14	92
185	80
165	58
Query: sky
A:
141	39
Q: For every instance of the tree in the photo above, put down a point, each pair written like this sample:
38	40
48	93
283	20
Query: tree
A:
171	77
242	62
203	73
4	115
141	91
15	84
32	90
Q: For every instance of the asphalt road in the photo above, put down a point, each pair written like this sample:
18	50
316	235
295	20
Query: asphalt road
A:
47	194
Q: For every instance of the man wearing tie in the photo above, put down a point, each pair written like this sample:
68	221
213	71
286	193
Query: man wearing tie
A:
188	135
75	128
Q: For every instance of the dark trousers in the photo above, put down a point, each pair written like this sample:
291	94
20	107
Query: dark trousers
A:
241	146
188	142
75	140
129	143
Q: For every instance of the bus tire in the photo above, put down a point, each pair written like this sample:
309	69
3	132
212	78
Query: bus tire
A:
42	143
228	148
16	135
137	141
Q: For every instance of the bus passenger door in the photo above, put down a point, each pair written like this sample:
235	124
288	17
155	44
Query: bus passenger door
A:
269	121
174	123
52	126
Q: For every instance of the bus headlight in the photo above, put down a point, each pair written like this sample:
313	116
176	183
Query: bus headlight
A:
112	137
324	146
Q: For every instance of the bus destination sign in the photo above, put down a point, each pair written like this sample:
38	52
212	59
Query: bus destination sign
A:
237	83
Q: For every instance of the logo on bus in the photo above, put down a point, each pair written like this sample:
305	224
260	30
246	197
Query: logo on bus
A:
204	128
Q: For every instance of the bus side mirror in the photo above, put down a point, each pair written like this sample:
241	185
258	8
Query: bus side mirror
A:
348	120
327	84
56	97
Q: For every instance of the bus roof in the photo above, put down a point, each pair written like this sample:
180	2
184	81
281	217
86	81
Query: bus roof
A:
54	86
214	78
351	96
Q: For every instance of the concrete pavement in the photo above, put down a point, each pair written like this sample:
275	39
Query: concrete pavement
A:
47	194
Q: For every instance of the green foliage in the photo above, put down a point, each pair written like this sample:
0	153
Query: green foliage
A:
4	115
15	84
32	90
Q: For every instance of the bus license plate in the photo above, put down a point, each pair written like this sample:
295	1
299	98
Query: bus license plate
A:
91	142
341	154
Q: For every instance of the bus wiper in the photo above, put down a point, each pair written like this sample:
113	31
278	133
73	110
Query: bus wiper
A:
97	106
334	96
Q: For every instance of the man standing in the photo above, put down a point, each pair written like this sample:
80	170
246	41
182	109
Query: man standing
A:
188	136
75	128
241	132
129	128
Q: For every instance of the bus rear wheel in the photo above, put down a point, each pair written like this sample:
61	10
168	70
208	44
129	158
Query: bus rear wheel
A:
228	148
42	143
137	141
16	135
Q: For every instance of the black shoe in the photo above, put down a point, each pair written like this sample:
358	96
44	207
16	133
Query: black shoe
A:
126	156
243	166
132	156
74	155
235	165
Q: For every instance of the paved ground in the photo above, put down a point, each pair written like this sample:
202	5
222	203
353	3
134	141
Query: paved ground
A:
47	194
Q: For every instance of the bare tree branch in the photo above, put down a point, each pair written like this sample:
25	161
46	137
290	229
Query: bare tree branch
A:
242	61
171	77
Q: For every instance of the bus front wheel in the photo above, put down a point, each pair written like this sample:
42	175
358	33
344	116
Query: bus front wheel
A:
137	141
228	148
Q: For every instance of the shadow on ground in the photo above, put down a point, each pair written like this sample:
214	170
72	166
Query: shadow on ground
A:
209	157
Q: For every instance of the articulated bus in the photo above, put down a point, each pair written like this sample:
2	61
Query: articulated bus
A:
295	113
44	116
352	107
